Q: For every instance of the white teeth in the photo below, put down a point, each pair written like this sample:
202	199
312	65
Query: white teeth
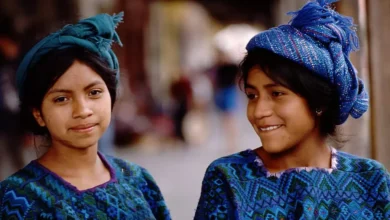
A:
270	128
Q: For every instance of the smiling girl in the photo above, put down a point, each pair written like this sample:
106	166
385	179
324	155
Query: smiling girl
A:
67	87
300	85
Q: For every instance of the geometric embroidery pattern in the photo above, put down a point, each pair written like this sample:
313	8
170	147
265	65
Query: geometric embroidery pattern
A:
36	193
238	187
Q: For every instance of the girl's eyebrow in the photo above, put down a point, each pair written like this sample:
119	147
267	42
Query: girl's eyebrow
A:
59	90
94	83
270	85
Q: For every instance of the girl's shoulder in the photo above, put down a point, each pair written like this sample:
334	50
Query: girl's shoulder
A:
241	166
22	178
18	190
351	163
241	157
126	169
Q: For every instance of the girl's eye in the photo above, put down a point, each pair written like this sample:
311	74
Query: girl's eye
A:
277	94
95	92
60	99
250	96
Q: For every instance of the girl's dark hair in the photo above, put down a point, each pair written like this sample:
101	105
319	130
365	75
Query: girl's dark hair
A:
43	75
318	93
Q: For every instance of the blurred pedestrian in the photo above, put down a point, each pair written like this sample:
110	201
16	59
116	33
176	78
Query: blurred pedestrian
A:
181	93
11	136
226	99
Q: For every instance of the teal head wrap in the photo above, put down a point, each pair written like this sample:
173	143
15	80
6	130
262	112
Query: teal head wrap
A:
95	34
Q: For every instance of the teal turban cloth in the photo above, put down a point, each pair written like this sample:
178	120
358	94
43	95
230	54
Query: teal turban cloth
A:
321	39
95	34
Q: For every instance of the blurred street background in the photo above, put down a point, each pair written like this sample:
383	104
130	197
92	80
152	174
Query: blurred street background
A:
179	106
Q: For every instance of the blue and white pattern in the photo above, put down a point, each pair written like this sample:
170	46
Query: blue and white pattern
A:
36	193
240	187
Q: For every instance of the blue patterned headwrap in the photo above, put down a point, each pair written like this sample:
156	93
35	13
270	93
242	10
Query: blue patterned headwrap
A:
321	39
96	34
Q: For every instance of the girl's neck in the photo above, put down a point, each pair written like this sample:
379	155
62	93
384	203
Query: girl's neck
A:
82	168
314	152
68	161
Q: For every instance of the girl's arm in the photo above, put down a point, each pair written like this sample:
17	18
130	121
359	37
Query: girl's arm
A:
154	197
216	200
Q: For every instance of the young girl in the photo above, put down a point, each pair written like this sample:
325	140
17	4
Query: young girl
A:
67	87
300	84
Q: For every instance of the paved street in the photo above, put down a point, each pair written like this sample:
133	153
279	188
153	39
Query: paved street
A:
179	170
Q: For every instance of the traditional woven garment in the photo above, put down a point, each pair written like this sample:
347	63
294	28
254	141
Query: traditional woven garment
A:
240	187
36	193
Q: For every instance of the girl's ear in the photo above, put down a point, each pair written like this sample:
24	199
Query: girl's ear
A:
319	111
38	117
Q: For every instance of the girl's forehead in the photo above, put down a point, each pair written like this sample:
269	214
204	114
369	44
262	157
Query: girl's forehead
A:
78	75
257	75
